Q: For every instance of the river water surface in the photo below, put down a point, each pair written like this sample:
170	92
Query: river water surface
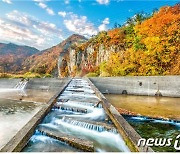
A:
146	106
17	107
162	107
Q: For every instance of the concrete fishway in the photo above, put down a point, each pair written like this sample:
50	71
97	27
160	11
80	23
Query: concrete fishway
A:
77	118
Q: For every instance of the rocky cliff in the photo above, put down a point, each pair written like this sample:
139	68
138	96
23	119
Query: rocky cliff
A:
46	62
85	57
146	45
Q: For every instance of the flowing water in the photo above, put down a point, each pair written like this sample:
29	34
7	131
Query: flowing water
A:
43	143
17	107
21	85
155	107
152	128
13	116
77	113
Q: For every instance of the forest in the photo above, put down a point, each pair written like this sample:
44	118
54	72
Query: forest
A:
147	45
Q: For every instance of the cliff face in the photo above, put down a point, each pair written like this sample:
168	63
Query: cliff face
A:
78	62
66	59
144	46
85	57
46	62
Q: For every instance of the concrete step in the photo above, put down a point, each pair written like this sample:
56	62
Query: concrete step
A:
69	108
75	98
78	143
98	126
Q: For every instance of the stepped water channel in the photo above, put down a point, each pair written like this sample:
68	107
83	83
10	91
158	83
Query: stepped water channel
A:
72	115
76	122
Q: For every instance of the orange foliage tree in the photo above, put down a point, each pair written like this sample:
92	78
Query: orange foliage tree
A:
152	47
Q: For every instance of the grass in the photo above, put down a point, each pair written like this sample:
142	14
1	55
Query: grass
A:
92	74
26	75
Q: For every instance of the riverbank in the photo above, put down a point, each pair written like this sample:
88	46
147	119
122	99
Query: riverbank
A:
25	75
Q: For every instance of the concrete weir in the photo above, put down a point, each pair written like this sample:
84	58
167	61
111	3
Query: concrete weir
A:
80	116
17	143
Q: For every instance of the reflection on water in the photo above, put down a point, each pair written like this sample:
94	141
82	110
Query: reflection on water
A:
165	107
14	113
155	129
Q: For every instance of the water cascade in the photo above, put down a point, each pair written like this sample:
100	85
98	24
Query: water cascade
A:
78	119
97	126
21	85
18	88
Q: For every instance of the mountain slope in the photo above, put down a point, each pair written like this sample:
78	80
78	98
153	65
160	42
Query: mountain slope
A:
47	60
12	56
144	46
17	49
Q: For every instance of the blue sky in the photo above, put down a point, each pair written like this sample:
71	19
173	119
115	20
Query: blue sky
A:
44	23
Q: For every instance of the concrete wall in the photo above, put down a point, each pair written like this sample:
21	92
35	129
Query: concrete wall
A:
9	83
35	83
140	85
46	83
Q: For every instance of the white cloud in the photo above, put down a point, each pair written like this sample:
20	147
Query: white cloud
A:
24	29
104	24
106	21
62	13
7	1
50	11
130	10
80	25
103	2
66	1
38	0
42	5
